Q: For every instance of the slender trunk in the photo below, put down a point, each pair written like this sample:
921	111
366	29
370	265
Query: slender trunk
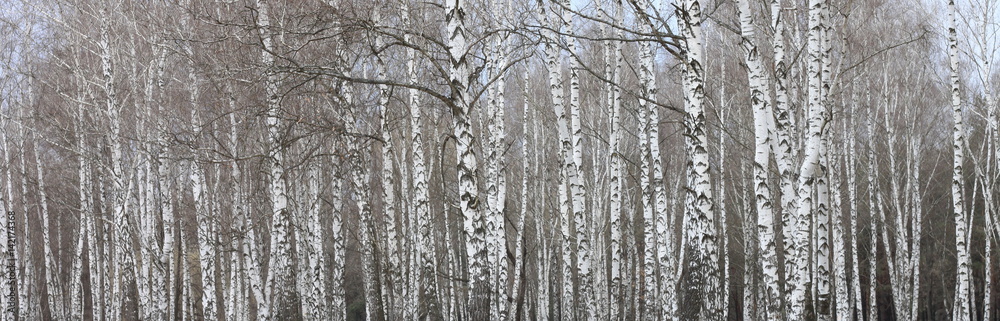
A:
763	118
810	177
10	257
204	214
961	304
389	244
338	304
315	296
576	178
647	83
701	269
617	165
554	68
50	270
495	171
513	311
852	227
784	149
843	300
873	210
362	190
824	298
27	293
279	277
421	206
11	311
478	305
916	228
120	189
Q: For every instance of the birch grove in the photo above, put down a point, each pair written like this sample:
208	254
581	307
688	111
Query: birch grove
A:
499	160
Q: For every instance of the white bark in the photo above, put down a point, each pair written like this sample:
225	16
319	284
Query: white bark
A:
338	302
784	150
554	69
663	237
702	251
763	118
390	244
824	298
810	174
205	216
279	278
584	305
28	302
421	206
51	268
10	256
315	289
10	310
843	300
615	97
515	291
239	304
873	210
362	195
647	83
164	275
853	229
961	308
455	11
496	190
121	238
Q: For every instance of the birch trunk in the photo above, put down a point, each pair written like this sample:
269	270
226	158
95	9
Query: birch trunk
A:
119	187
702	266
315	296
86	208
853	229
785	154
51	269
421	207
554	69
389	244
495	172
10	310
647	85
28	302
663	237
873	210
584	303
10	257
478	301
962	310
616	312
279	278
824	298
362	191
513	312
338	304
843	301
810	173
204	215
763	118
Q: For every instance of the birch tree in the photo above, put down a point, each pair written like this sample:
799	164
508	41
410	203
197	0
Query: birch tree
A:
701	252
421	207
455	14
279	272
961	304
616	172
762	160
